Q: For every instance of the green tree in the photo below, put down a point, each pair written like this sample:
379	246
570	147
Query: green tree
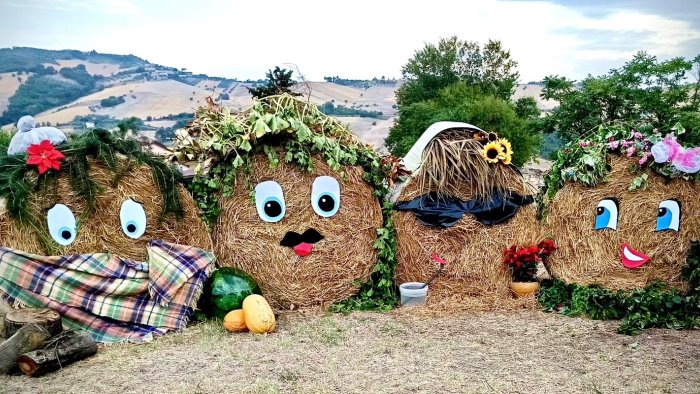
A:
435	67
644	90
462	103
278	81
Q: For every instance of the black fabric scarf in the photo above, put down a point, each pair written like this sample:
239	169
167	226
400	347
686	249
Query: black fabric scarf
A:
445	212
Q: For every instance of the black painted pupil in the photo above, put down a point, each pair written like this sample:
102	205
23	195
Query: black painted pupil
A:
326	203
600	210
662	211
131	227
273	209
65	234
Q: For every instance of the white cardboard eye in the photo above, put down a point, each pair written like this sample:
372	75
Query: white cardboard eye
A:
133	219
264	191
675	210
325	185
61	222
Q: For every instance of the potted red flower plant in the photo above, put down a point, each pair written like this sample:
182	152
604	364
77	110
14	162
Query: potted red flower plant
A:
522	262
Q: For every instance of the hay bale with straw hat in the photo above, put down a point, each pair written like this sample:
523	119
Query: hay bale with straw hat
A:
294	200
462	170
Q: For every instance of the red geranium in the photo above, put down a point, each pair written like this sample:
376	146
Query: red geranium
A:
45	156
522	260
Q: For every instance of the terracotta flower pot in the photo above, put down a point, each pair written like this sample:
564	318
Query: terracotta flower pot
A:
522	289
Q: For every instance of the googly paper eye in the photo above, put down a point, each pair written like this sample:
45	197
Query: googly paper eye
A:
61	223
668	216
269	201
606	214
325	196
133	219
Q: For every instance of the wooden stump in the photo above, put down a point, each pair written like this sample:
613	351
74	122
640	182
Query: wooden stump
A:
57	353
43	317
26	339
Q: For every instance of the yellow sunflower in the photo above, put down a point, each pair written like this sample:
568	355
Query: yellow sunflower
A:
492	152
507	150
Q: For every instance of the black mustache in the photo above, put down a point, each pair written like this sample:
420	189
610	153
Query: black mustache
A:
292	239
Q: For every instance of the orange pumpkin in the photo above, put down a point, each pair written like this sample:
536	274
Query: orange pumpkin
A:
234	321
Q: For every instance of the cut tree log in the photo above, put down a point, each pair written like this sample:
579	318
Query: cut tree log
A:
55	354
26	339
43	317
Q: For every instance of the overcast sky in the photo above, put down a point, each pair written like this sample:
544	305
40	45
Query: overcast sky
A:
358	38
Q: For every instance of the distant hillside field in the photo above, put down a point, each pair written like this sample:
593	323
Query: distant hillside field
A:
68	84
142	99
8	87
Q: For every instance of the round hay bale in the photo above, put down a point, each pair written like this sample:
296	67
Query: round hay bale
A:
587	256
302	258
100	230
474	278
332	271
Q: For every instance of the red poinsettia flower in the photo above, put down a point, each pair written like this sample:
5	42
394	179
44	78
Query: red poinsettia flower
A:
44	156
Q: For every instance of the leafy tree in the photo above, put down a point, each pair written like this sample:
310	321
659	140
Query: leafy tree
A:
645	90
278	81
435	67
462	103
112	101
129	125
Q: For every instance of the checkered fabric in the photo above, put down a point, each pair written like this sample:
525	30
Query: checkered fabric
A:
113	299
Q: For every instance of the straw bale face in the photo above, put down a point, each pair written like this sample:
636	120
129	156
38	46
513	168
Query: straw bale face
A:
474	278
101	230
587	256
308	269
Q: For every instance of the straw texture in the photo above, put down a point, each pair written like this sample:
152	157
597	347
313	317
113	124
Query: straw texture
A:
474	278
101	230
337	264
586	256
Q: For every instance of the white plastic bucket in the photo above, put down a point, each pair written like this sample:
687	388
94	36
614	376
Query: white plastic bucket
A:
412	294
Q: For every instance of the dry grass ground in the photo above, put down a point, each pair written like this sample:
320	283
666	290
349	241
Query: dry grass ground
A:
528	352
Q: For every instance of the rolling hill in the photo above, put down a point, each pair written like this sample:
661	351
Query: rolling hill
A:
156	94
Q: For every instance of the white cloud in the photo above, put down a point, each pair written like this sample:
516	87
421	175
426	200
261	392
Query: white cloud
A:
358	39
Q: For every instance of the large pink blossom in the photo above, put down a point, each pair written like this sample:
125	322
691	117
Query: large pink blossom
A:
687	161
666	150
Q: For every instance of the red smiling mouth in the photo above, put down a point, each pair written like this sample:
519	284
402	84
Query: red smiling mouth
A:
631	258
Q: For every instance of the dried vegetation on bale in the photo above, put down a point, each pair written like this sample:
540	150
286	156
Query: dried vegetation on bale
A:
474	278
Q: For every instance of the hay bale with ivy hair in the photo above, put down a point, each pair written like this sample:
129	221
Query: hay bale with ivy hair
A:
458	164
294	200
97	175
623	207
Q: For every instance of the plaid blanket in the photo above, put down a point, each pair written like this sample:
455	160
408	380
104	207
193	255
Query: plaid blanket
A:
113	299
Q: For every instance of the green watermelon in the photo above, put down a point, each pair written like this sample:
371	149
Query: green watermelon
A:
225	291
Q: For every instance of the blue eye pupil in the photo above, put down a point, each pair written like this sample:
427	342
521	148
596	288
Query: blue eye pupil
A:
131	227
662	212
65	234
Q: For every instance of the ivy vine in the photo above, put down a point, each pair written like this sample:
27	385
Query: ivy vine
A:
656	305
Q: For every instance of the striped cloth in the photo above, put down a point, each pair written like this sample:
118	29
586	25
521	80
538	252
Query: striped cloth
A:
113	299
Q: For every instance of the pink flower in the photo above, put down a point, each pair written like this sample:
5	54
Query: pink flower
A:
583	144
614	144
626	144
666	150
630	151
637	135
644	158
687	161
